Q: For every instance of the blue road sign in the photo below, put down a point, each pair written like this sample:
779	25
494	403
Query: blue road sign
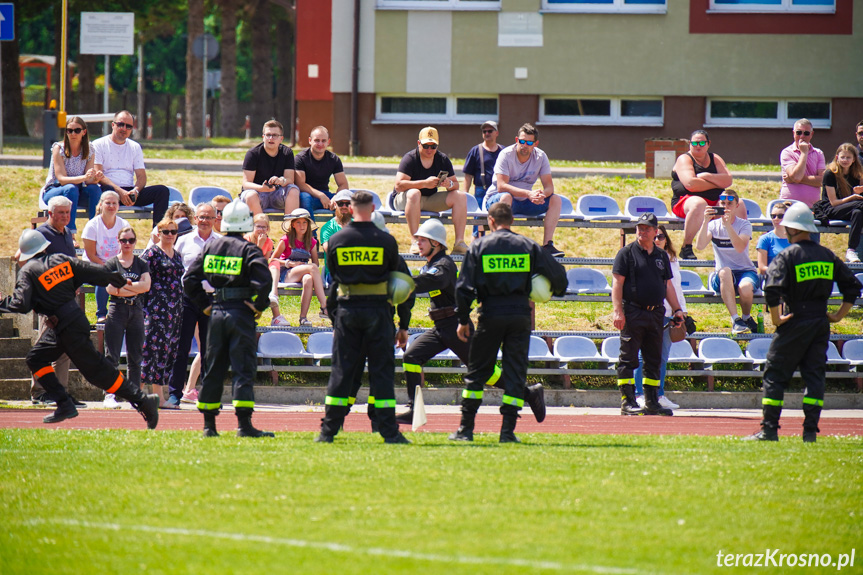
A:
7	22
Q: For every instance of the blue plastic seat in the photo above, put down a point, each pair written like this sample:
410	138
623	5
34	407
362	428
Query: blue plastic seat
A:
586	281
718	350
833	357
692	284
538	350
637	205
852	350
175	197
576	348
611	349
320	345
281	345
203	194
753	211
757	349
599	207
681	352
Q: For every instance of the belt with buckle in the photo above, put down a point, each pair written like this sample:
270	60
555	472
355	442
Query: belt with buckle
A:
646	307
232	294
125	300
353	290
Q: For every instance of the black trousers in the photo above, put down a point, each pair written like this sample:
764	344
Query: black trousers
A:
192	317
798	343
429	344
362	331
642	332
231	342
494	330
156	195
853	212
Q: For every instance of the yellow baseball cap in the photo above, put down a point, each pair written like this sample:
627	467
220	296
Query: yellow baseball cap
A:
429	135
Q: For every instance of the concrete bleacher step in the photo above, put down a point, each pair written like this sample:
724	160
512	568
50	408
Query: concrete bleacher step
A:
14	346
7	327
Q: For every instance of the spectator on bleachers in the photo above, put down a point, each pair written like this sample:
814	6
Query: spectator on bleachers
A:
802	166
859	134
260	235
516	170
842	196
417	184
268	174
479	165
663	242
164	311
175	212
313	168
341	218
219	203
71	173
100	242
125	313
775	240
697	180
734	273
121	160
295	260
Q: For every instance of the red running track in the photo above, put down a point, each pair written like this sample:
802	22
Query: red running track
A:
489	423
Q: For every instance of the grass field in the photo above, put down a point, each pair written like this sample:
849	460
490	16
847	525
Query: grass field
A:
132	501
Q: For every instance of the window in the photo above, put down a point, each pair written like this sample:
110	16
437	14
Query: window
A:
450	109
627	6
799	6
601	111
438	4
766	113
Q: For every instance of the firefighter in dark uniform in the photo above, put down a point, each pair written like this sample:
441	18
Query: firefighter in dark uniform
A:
642	282
238	272
362	260
437	278
46	284
498	270
801	276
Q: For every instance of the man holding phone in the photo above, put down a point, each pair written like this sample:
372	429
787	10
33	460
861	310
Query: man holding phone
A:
735	273
421	172
268	174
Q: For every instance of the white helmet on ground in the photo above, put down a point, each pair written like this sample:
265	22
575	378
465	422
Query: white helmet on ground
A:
433	230
31	243
799	217
236	217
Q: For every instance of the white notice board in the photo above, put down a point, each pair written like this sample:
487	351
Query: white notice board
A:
109	33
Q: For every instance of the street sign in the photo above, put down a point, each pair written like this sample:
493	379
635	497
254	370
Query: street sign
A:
108	33
212	46
7	22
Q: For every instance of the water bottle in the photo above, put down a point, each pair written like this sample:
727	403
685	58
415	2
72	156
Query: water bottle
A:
761	319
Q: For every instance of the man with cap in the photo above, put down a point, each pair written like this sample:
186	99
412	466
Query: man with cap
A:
801	277
47	284
362	260
438	278
479	164
313	168
642	282
421	172
237	270
341	203
498	271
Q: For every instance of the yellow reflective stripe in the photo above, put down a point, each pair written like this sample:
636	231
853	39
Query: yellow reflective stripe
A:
495	376
513	401
385	403
468	394
352	400
412	367
768	401
630	381
434	293
813	401
371	400
359	256
208	406
651	382
330	400
238	403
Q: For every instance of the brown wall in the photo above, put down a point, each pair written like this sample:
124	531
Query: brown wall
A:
311	114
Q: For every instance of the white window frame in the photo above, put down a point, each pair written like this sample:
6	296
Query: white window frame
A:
615	7
453	5
781	121
449	117
785	6
613	119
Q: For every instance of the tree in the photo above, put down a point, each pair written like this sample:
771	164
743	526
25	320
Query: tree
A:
194	76
13	101
262	64
228	94
285	68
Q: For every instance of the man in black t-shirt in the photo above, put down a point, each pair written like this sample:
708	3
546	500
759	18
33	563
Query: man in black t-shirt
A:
417	185
268	174
312	170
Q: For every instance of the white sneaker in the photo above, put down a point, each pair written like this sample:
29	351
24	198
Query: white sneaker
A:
640	400
851	256
280	321
667	403
110	402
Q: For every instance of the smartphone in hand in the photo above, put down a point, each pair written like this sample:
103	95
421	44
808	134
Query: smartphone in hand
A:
719	211
442	176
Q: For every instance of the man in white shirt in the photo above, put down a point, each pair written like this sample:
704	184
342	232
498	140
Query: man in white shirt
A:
121	159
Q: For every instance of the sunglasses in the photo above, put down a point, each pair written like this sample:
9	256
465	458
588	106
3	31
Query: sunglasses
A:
128	241
695	144
429	146
488	131
75	130
218	212
168	232
777	216
124	125
660	236
343	204
802	132
526	142
860	133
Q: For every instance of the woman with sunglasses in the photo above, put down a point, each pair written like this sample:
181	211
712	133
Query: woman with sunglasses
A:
100	242
125	313
71	173
164	312
842	195
774	241
697	180
663	242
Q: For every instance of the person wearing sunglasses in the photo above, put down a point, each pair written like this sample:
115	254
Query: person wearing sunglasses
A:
421	173
479	165
219	203
516	172
859	134
802	165
268	173
121	160
774	241
697	180
313	168
842	196
735	274
341	217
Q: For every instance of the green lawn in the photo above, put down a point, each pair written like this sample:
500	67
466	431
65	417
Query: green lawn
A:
170	502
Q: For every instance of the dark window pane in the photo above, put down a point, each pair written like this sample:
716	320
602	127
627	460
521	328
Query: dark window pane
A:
476	106
578	107
757	110
650	108
810	110
413	105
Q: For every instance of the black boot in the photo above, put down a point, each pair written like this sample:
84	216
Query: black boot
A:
334	418
769	425
210	423
651	402
628	405
245	427
406	417
811	417
507	428
147	405
465	428
534	395
65	410
397	438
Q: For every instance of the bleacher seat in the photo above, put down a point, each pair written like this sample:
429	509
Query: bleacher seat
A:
320	345
757	349
681	352
833	357
538	350
598	207
586	281
719	350
692	284
175	197
836	223
611	349
569	348
281	345
203	194
567	211
753	212
473	209
852	350
637	205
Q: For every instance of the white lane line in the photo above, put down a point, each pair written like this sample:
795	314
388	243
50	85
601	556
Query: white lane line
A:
341	548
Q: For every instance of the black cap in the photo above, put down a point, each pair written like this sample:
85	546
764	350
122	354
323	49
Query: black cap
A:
183	226
648	219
